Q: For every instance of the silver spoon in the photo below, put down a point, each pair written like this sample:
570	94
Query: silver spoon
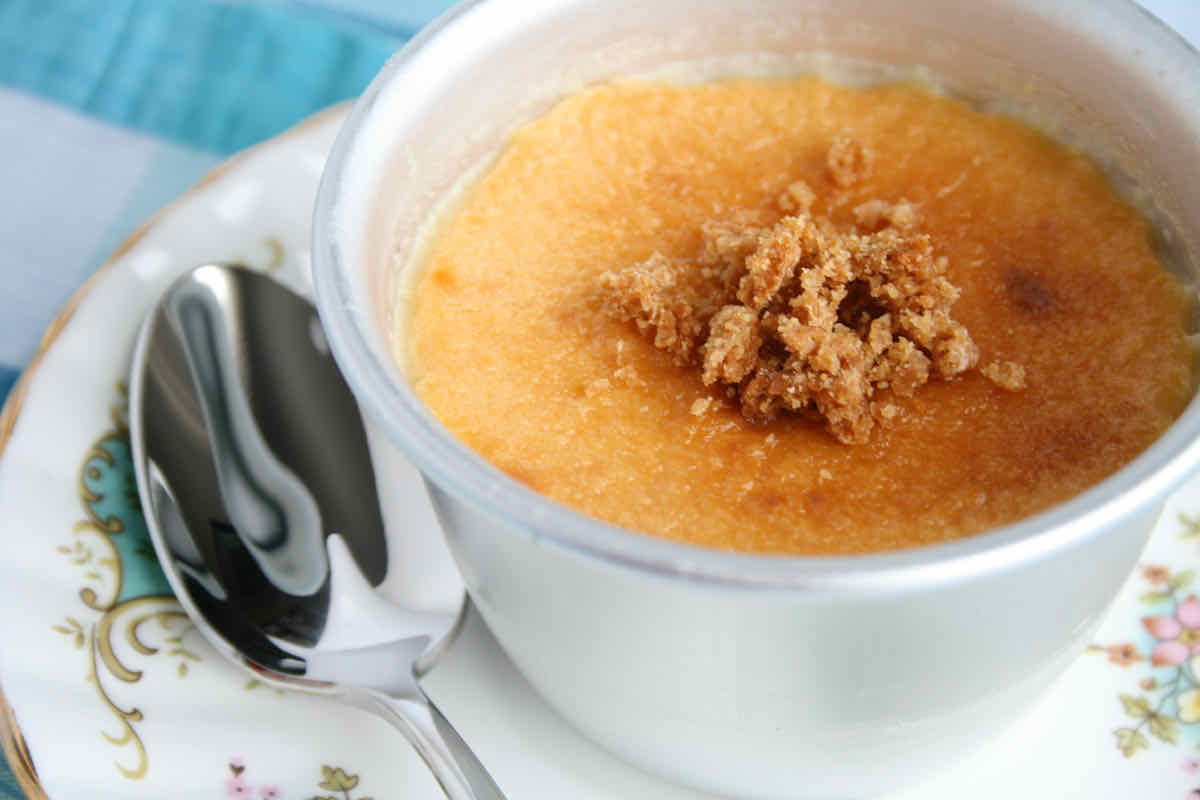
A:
258	491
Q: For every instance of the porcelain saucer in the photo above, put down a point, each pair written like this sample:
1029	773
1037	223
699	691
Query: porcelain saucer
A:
111	693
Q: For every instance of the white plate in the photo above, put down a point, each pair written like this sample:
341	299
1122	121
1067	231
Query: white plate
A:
113	695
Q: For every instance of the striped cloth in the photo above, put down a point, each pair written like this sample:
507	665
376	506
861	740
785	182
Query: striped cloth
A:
109	108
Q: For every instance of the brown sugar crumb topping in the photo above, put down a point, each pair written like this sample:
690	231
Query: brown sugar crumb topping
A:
1005	374
794	316
876	214
848	160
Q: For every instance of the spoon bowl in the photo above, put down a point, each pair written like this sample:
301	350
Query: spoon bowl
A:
259	494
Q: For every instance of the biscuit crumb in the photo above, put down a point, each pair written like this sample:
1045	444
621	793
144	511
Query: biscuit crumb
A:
1005	374
731	349
885	412
701	406
795	316
628	376
848	161
651	294
797	197
875	214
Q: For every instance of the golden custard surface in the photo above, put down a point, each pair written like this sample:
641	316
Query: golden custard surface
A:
511	349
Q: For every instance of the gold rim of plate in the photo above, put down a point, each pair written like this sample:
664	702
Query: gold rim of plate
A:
12	742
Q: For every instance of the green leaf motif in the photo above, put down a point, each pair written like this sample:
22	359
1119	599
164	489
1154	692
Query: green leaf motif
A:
1182	579
72	629
1164	728
1154	598
1191	525
1136	707
334	779
1130	741
325	797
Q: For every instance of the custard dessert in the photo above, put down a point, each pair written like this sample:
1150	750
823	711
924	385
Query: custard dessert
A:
795	317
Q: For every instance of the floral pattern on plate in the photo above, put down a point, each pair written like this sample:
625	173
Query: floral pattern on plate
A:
123	592
1166	653
333	779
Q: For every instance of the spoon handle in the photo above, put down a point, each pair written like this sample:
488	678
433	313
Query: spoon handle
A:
451	761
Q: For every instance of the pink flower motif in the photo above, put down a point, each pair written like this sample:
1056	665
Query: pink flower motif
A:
237	763
269	792
1178	636
1191	765
1156	573
1123	654
236	787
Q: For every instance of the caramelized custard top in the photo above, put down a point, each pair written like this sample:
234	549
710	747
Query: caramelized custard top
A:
792	315
515	350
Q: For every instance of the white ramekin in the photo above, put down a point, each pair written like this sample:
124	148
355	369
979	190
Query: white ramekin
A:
740	674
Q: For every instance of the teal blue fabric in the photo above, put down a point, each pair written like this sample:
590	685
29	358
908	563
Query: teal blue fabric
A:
8	377
216	76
